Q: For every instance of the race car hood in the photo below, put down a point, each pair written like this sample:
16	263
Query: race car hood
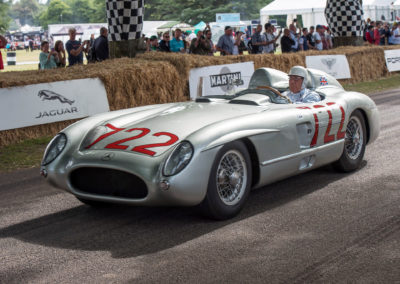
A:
153	131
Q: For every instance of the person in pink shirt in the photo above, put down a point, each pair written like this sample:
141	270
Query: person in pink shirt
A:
3	43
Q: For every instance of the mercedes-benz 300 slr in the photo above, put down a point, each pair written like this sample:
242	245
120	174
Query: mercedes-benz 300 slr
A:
212	151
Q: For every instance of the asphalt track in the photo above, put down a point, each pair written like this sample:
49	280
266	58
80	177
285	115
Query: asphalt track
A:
321	226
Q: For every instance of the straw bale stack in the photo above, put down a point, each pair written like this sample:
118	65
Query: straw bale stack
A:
128	83
159	77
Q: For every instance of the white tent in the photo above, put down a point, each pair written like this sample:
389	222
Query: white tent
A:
377	10
312	11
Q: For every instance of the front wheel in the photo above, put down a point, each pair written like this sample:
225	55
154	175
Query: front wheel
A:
229	183
354	145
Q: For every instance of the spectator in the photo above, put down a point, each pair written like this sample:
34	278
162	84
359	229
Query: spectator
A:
92	39
294	36
47	58
164	43
395	35
75	48
303	41
31	45
328	38
177	44
386	34
209	45
225	42
26	44
286	41
310	37
270	38
100	45
61	58
198	44
377	35
368	37
317	38
239	45
325	45
257	41
153	43
3	43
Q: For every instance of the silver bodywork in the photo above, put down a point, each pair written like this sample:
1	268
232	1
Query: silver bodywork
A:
281	139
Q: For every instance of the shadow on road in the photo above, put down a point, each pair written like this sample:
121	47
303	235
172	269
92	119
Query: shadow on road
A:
135	231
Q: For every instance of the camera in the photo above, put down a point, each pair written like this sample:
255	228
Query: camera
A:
203	37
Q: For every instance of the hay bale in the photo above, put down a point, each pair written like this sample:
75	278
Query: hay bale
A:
128	83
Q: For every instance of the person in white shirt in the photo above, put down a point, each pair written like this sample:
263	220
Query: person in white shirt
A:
317	38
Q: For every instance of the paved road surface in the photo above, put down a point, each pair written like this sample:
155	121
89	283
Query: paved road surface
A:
318	227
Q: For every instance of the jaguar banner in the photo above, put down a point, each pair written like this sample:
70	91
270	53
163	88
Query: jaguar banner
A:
51	102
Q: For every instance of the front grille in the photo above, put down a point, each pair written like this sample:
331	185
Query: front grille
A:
108	182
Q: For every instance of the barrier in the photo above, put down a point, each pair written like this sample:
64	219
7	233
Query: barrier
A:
11	58
157	77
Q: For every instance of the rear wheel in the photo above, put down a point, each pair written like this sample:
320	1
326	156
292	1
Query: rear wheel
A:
229	183
354	145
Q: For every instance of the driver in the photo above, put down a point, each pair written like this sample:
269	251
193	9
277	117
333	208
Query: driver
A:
298	93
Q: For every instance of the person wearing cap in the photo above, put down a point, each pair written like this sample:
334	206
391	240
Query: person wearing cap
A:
153	43
225	43
298	93
317	38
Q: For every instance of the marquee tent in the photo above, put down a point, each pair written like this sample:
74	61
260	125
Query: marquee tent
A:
312	11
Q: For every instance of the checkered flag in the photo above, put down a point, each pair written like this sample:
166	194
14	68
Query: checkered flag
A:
345	18
125	19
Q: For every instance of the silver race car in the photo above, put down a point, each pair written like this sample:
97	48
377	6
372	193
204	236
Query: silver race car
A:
211	152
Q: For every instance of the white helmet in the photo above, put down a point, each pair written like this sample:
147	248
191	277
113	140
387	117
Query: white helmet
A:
301	72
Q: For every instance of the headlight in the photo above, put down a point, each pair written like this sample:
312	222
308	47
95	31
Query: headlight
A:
55	147
178	159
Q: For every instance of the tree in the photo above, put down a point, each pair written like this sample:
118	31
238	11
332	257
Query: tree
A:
82	10
4	18
25	11
192	11
56	13
99	13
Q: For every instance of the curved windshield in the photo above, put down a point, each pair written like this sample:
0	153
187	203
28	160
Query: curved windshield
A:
273	97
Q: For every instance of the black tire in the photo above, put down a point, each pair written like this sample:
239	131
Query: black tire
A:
354	146
217	203
93	203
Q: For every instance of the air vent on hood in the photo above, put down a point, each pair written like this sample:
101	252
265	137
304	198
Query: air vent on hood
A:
252	99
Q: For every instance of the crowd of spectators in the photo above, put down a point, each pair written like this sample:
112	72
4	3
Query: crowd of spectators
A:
263	40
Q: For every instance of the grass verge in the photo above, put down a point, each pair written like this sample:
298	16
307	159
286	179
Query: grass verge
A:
29	153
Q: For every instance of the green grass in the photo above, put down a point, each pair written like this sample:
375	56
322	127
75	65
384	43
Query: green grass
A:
371	87
22	56
26	154
29	153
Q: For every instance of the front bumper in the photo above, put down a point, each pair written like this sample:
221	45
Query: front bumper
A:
188	188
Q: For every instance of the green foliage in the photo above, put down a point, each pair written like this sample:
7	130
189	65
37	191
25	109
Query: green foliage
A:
25	11
57	12
4	18
192	12
81	10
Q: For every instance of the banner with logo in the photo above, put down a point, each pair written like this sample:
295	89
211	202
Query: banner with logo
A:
219	79
335	65
392	58
50	102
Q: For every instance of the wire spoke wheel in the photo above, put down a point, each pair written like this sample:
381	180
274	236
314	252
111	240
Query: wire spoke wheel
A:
354	138
231	177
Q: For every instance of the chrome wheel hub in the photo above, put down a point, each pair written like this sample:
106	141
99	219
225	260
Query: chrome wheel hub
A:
231	177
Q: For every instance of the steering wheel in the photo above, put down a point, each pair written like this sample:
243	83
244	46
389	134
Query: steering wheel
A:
276	92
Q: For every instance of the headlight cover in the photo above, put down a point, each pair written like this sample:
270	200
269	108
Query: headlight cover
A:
178	159
55	147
